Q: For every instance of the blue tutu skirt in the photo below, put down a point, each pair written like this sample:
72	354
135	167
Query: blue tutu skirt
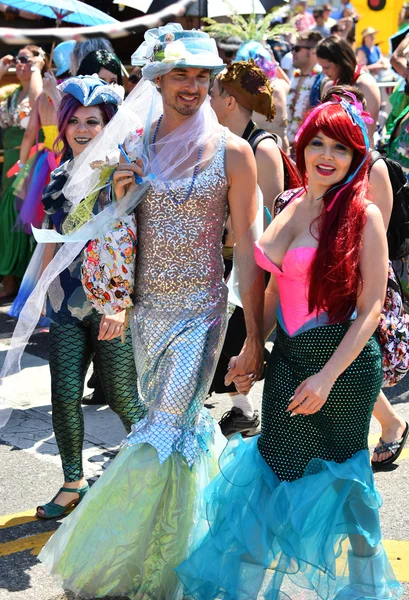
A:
272	539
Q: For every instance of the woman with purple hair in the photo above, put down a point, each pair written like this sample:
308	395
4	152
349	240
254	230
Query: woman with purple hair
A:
78	332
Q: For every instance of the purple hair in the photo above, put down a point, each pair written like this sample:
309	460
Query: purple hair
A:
67	108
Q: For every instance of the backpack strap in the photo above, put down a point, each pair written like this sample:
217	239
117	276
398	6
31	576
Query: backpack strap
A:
285	198
259	135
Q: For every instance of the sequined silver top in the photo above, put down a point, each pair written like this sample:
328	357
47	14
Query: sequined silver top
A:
179	260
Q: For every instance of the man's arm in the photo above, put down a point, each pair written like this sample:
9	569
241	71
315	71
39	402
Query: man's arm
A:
241	169
398	59
270	171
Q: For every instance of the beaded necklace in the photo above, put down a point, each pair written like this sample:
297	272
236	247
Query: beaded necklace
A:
195	172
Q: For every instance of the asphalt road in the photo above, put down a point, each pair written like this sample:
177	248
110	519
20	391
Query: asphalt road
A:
30	473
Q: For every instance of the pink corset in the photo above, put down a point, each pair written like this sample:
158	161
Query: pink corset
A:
292	282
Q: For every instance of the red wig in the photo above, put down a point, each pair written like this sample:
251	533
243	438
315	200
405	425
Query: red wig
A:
335	279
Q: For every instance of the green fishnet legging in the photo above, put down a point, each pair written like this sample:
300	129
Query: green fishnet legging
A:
72	347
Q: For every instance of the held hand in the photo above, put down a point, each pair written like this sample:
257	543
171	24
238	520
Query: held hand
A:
111	326
311	395
5	63
246	369
124	178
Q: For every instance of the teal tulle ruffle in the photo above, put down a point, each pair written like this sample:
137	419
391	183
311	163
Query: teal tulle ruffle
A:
268	538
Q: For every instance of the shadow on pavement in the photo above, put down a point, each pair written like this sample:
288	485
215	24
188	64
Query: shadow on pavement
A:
14	575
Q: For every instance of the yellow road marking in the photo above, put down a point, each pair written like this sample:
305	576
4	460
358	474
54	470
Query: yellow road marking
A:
397	551
33	543
398	554
18	518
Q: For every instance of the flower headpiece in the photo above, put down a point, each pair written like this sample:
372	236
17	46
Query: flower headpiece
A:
261	56
358	117
91	90
170	47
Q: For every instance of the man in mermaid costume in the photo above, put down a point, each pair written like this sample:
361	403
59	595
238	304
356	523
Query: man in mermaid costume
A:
136	524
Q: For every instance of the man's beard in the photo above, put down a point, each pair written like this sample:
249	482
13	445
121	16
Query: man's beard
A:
185	111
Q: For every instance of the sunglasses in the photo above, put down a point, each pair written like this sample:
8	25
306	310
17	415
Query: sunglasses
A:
24	60
298	48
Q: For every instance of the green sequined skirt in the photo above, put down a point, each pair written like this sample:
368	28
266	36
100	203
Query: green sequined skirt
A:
340	428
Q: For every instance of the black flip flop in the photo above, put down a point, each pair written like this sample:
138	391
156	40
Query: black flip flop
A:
395	447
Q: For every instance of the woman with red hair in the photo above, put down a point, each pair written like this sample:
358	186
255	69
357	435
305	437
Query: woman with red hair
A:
297	505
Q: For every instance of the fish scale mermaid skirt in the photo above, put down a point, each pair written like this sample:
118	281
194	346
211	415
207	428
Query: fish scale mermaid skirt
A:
293	513
144	515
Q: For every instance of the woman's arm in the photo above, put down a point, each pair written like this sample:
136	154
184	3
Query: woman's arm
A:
312	394
29	135
380	190
36	80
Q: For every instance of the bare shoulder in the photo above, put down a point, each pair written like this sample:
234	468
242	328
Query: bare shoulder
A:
239	154
367	82
379	173
267	150
236	144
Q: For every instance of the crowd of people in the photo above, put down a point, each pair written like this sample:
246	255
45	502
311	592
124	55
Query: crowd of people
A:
227	191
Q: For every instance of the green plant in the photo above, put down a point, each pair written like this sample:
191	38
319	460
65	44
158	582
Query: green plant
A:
253	28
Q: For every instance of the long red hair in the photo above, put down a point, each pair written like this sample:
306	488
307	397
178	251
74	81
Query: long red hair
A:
335	279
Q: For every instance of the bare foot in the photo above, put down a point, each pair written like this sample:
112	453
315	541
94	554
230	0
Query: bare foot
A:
65	498
389	434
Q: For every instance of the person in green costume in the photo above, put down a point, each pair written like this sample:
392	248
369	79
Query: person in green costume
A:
398	144
16	246
77	331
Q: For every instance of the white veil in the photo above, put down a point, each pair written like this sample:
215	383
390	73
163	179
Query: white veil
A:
173	158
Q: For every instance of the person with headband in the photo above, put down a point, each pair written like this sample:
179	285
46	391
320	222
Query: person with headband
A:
105	64
77	330
297	506
193	171
394	427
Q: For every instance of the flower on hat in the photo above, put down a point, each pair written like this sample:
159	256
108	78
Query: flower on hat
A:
175	51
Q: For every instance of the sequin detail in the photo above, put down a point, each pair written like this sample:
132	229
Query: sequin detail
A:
337	431
176	359
189	442
180	317
179	262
